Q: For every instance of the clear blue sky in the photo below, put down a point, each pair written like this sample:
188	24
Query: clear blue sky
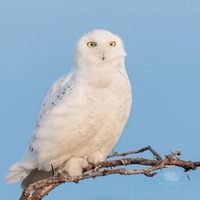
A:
162	39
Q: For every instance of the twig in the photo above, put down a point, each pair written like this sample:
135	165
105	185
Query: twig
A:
148	148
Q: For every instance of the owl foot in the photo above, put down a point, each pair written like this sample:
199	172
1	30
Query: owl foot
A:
96	157
75	166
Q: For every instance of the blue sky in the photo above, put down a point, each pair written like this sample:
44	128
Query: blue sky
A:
162	39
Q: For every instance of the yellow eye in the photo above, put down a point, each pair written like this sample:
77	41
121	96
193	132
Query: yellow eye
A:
113	44
91	44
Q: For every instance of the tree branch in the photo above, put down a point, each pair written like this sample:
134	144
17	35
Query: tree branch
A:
38	190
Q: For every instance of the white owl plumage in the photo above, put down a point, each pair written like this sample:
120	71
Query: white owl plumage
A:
84	113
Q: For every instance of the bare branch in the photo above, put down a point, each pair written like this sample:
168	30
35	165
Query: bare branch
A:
38	190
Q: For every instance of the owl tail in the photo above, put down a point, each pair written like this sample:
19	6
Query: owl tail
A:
27	172
18	171
34	176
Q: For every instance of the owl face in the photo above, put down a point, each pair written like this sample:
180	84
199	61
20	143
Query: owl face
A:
99	47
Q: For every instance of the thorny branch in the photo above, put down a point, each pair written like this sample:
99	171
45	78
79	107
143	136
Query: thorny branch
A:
38	190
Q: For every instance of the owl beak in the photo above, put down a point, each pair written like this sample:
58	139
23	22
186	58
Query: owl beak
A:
103	56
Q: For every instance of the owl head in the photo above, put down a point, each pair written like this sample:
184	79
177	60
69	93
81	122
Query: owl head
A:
99	47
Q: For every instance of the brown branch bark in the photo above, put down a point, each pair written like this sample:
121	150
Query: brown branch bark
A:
38	190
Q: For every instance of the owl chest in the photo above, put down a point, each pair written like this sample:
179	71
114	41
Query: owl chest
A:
88	110
105	113
102	106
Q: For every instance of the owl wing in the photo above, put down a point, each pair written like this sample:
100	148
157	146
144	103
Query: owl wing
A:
58	89
54	92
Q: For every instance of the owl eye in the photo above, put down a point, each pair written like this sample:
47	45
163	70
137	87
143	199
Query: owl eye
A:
91	44
113	44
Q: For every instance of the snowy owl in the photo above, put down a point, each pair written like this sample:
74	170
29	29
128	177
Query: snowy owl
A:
83	114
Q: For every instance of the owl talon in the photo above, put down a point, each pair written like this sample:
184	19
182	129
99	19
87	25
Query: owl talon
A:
52	170
88	168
